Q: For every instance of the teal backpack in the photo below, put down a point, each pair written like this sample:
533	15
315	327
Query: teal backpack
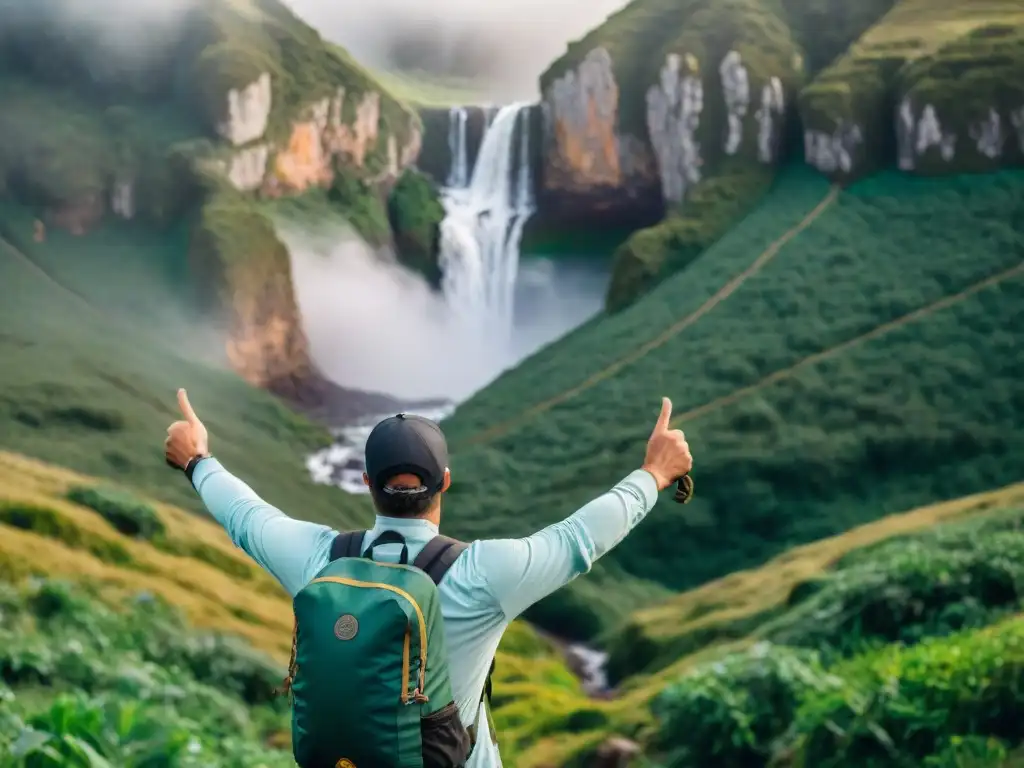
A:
369	670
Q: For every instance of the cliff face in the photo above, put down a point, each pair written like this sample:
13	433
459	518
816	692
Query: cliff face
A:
441	131
682	110
664	103
933	88
238	101
593	170
318	139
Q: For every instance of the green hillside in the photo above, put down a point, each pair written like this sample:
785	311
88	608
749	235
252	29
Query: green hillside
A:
133	632
92	388
933	86
835	357
841	342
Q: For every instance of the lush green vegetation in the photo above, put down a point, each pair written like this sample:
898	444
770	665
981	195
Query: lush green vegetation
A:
171	647
965	60
415	213
919	655
868	367
962	59
90	386
158	653
652	254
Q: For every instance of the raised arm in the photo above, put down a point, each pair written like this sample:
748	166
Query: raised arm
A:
292	551
520	572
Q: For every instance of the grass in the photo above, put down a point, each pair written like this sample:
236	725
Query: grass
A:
91	387
194	568
963	59
806	451
722	644
734	606
422	90
71	592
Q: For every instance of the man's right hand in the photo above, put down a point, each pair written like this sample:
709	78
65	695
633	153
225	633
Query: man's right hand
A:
185	439
668	455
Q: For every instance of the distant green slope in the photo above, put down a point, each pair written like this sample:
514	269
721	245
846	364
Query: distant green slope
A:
917	398
87	383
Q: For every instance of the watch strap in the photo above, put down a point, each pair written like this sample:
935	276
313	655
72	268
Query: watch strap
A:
190	468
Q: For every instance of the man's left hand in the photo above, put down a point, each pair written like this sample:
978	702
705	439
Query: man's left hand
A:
185	439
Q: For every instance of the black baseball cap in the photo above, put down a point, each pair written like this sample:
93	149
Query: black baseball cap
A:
407	444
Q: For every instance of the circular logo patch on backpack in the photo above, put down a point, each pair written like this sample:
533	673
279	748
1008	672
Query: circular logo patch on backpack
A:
346	628
344	763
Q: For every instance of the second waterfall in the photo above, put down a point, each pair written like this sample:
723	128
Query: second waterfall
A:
486	212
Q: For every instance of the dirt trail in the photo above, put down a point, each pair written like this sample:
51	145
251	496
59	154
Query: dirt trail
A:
874	333
666	335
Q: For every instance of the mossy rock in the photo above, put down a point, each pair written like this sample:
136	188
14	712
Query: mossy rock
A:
653	254
964	61
640	36
415	212
737	65
234	44
825	29
973	87
362	205
242	273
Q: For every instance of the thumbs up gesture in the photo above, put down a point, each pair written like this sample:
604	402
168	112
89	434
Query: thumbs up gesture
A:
185	439
668	455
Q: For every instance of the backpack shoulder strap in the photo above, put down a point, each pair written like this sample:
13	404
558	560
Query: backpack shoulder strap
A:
435	559
438	556
347	544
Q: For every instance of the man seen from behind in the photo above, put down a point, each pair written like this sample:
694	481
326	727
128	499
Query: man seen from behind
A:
481	587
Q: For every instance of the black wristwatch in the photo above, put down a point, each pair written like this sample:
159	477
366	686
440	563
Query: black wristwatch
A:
190	468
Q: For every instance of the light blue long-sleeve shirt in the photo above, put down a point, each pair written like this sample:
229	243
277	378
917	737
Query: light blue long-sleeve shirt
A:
489	585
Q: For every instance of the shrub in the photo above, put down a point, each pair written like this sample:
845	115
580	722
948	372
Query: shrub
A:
50	523
415	213
363	208
910	588
898	706
969	752
655	253
731	712
127	514
207	554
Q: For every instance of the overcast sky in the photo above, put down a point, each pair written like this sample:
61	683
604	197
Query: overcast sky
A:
508	43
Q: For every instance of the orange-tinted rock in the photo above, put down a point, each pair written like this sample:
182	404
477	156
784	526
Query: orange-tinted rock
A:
303	163
589	165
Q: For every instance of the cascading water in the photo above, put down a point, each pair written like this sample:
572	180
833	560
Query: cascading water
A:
487	203
458	174
481	233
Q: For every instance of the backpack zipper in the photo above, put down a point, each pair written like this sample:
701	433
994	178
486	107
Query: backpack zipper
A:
418	695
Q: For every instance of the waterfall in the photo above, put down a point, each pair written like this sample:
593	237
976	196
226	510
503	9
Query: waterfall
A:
488	200
481	232
458	174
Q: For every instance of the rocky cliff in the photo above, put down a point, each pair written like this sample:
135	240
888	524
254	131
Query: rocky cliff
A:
441	135
683	110
231	102
933	87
